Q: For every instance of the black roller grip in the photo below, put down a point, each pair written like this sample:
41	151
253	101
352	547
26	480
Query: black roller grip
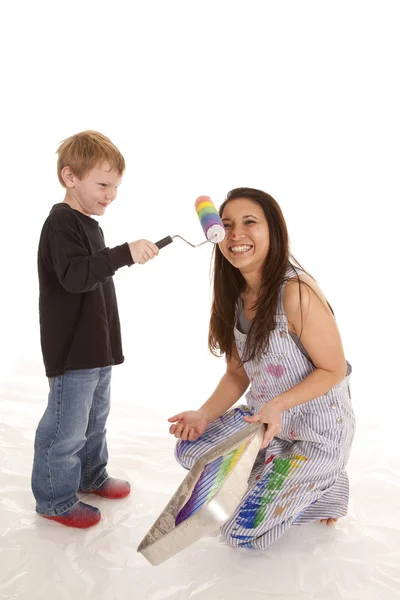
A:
164	242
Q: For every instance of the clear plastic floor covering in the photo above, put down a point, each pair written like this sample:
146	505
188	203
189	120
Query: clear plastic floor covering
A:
359	559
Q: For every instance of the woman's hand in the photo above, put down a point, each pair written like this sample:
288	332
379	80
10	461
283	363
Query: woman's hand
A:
188	425
271	415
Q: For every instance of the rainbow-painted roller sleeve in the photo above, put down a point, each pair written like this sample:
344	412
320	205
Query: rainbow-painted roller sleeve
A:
210	220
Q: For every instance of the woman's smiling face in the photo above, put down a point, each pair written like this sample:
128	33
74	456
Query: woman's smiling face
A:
246	242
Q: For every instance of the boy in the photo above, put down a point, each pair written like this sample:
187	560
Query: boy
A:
80	332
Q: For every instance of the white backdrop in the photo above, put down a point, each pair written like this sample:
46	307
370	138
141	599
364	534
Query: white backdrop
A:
300	99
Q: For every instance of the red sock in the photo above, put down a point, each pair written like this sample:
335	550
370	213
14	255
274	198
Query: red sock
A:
113	488
81	515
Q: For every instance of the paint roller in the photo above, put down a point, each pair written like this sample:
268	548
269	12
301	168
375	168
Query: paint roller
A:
210	221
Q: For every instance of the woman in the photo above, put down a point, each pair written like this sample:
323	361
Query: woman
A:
279	336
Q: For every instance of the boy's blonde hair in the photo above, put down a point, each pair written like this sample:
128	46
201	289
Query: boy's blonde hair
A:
84	151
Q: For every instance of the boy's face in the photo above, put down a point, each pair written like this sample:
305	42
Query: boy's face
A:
92	194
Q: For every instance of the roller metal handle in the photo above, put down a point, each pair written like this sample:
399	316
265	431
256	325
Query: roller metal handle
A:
164	242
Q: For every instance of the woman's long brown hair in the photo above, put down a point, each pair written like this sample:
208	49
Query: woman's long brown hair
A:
229	283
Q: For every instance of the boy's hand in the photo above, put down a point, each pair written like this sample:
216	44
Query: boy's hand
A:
188	425
142	251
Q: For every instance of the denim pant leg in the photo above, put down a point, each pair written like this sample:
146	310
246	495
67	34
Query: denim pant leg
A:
60	436
94	454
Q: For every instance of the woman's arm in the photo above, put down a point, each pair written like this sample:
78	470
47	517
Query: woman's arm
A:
191	424
230	389
312	320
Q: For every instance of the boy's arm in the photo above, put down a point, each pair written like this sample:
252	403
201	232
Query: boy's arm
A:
76	269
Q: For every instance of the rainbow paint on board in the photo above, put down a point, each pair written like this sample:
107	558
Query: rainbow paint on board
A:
213	476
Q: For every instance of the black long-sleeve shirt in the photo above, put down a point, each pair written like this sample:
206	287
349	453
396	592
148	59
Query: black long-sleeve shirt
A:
79	321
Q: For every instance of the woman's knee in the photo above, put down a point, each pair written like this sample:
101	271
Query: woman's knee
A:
181	454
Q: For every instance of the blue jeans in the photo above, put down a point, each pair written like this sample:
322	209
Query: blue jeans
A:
70	445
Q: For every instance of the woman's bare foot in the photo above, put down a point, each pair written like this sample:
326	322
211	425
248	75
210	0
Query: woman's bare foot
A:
329	522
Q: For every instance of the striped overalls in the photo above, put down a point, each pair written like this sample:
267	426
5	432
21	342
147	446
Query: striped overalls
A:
300	477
